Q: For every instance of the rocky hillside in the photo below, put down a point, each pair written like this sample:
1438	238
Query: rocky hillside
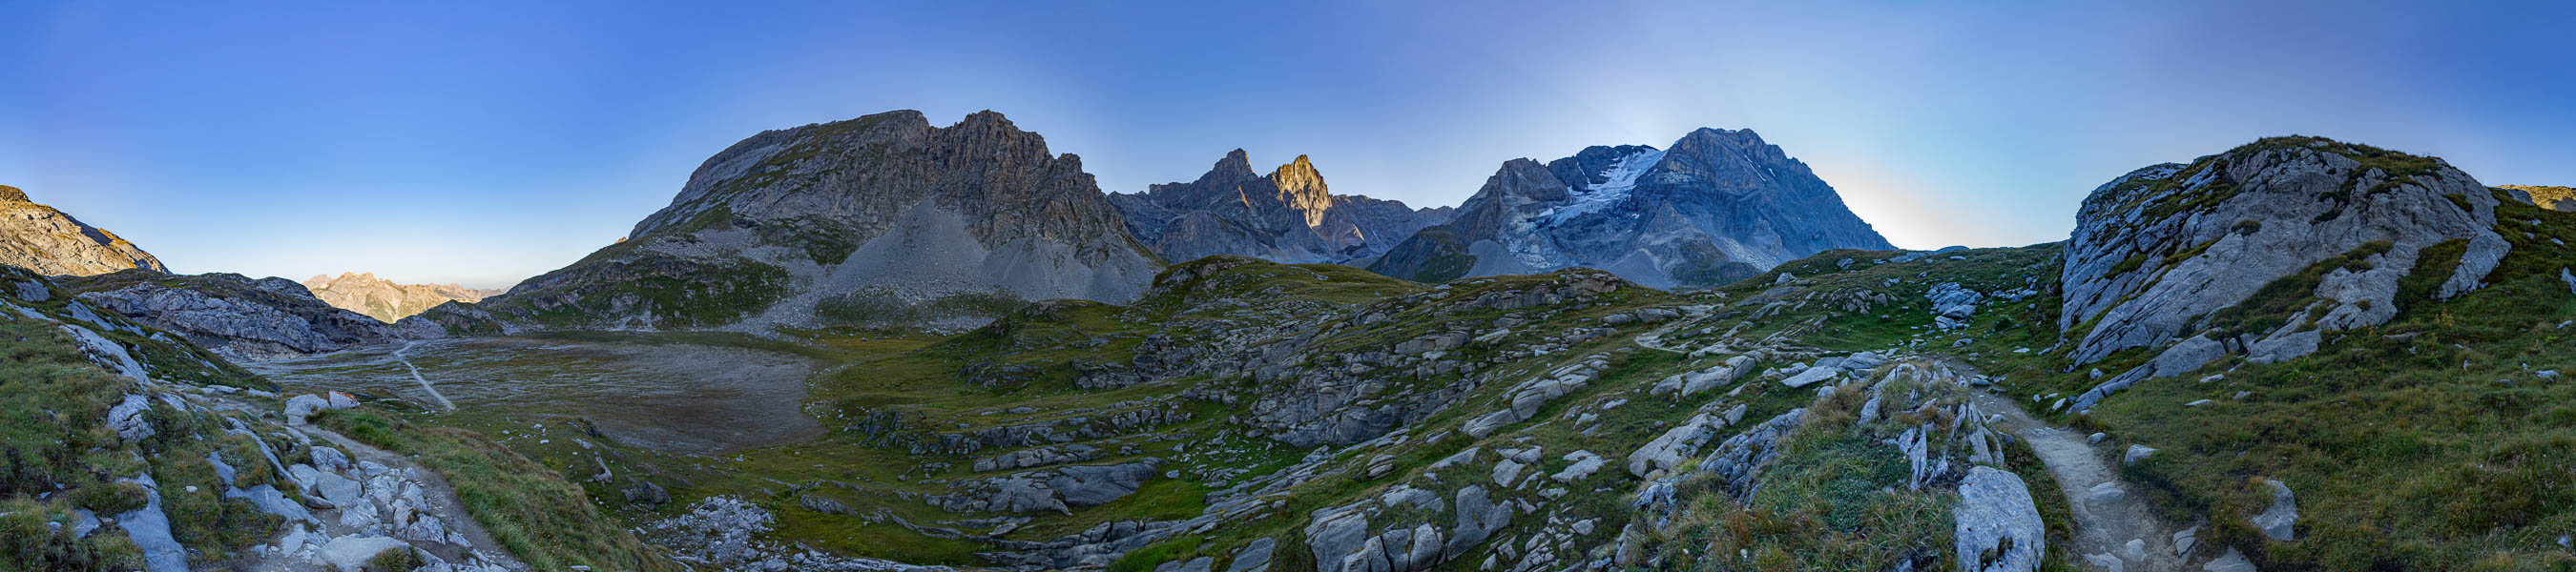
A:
1717	206
1288	215
796	226
37	237
384	300
234	315
2267	249
2552	198
132	449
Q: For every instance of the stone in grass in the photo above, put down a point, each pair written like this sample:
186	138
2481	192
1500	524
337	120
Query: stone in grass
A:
2278	521
2136	453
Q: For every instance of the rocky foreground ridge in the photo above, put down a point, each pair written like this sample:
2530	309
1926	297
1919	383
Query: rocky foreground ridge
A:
37	237
153	454
238	317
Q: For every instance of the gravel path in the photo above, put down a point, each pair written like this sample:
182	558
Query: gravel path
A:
2105	522
424	382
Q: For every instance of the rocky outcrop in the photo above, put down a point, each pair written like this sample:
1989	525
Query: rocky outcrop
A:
234	315
2325	231
1287	216
1717	206
37	237
781	228
382	299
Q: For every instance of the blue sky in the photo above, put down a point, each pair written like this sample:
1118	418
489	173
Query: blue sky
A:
483	143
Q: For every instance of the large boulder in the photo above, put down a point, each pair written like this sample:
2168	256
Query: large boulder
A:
1997	524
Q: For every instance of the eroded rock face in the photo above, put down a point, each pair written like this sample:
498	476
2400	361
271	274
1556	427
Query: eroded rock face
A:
2157	252
772	228
37	237
234	315
1287	216
1717	206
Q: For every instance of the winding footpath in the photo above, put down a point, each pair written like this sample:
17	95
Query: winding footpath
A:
424	382
2108	517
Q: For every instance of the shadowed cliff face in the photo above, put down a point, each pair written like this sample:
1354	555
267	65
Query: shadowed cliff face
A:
1290	215
886	205
1717	206
50	242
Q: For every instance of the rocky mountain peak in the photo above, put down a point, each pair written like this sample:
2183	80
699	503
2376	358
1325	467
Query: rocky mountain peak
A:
1289	215
1303	189
38	237
1235	166
1715	206
384	300
784	225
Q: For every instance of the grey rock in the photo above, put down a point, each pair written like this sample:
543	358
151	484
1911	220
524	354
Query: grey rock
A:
1997	524
647	493
2278	521
2105	562
1254	557
302	407
2266	210
1335	533
2232	561
1478	519
1097	485
2188	355
1584	464
1674	446
149	528
34	291
126	418
2136	453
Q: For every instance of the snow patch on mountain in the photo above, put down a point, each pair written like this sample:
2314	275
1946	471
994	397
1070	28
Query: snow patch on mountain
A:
1617	180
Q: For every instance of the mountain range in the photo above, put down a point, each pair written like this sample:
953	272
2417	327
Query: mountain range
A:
1287	216
2298	353
1717	206
848	223
382	299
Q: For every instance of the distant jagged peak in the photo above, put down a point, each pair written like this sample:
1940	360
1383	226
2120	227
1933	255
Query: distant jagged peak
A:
1302	187
1235	166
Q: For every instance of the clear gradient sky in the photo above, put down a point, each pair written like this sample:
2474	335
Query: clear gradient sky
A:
484	143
